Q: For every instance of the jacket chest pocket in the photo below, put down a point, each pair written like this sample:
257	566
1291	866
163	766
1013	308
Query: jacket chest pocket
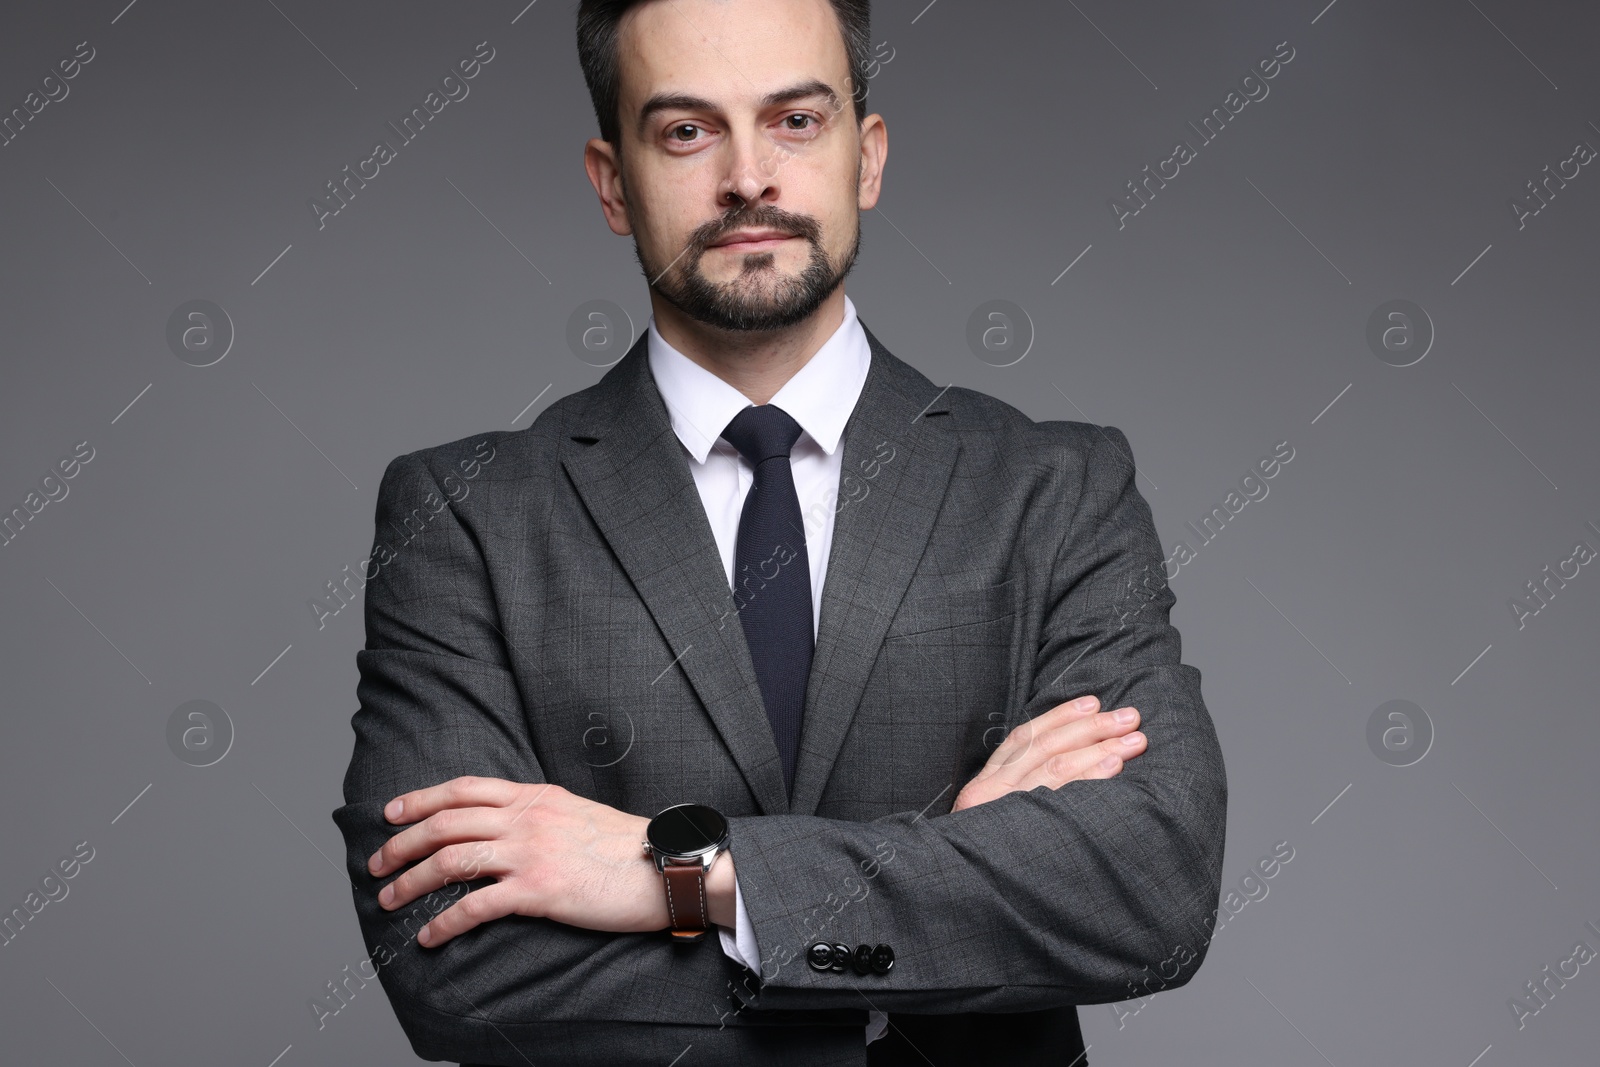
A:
952	608
938	698
949	651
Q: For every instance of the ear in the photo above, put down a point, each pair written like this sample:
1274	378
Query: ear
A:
874	154
601	163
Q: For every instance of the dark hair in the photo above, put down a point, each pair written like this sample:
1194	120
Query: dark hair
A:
597	53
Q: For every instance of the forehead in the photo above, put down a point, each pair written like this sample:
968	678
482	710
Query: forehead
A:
731	52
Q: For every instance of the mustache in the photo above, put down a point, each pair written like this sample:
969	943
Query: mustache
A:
762	215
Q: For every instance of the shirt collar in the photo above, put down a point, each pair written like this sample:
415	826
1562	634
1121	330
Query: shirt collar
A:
820	396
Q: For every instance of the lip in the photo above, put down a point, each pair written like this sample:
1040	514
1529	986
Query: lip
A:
753	240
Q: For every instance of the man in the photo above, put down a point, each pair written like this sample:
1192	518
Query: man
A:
893	659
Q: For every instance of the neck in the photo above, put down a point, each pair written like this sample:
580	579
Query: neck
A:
756	363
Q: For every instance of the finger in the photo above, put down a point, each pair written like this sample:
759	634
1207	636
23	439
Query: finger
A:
466	791
1053	772
1023	737
1123	748
1109	756
1089	730
449	865
448	827
1106	767
477	907
1070	737
1104	760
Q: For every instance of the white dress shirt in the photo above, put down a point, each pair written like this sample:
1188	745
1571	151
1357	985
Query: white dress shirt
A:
820	397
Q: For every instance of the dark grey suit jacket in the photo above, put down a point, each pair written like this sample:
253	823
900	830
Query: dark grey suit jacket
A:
558	612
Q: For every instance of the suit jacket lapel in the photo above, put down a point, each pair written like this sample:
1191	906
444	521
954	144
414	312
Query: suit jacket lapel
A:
636	484
878	539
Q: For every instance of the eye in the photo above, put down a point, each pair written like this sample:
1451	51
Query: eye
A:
804	122
684	132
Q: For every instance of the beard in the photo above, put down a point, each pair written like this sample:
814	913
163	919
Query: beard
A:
760	298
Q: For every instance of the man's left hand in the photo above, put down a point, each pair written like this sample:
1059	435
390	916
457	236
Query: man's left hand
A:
555	854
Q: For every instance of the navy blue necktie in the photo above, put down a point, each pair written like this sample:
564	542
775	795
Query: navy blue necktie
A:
772	574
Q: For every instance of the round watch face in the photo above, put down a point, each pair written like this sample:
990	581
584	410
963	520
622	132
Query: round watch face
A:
685	829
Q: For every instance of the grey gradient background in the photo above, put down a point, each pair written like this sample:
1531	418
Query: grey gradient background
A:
1225	317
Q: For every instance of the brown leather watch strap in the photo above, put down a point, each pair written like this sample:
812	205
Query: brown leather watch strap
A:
686	901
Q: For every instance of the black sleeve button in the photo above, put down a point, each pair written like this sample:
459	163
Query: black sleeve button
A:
861	959
882	959
841	956
820	956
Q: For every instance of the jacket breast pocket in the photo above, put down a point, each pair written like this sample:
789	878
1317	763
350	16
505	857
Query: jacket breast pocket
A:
952	607
936	702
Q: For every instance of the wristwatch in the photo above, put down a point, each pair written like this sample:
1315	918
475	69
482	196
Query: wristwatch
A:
685	840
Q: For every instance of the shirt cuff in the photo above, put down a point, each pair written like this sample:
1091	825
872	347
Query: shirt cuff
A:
740	944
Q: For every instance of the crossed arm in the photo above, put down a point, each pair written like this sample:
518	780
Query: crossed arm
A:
1093	873
561	856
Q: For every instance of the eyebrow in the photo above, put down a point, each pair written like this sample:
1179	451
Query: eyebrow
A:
686	102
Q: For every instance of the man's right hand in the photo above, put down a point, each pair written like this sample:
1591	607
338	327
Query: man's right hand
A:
1069	742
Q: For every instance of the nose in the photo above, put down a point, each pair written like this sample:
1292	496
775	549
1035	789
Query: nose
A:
753	164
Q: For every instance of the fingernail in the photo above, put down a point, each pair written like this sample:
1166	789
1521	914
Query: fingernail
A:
1110	763
424	935
1133	739
375	863
1125	715
386	895
394	808
1086	703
